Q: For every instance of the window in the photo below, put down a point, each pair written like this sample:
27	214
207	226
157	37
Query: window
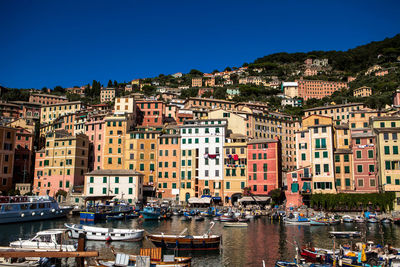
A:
91	190
317	169
359	168
371	168
337	169
303	156
346	169
346	158
370	154
116	190
317	155
358	141
325	154
347	182
387	150
326	167
395	150
91	180
228	185
388	179
358	153
337	158
206	140
346	142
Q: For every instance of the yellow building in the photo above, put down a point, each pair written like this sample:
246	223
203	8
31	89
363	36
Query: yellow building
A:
343	159
387	130
141	153
49	113
115	131
238	122
188	175
363	91
7	148
360	119
197	82
235	168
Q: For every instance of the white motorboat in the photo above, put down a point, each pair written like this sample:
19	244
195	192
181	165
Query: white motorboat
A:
49	239
104	234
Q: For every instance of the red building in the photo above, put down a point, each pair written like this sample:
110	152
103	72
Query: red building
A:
298	187
264	165
364	162
95	126
23	157
150	112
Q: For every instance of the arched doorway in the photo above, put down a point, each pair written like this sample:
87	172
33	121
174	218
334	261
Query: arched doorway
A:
187	196
235	197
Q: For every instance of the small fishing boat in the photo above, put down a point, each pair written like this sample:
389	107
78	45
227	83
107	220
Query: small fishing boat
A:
235	224
347	219
344	234
323	221
386	221
228	217
187	242
199	218
49	239
296	219
104	234
151	213
359	219
372	220
115	217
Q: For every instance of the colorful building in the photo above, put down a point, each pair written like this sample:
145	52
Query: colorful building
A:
7	152
150	113
62	164
264	166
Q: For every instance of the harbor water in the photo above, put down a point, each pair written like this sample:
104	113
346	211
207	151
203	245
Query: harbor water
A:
261	240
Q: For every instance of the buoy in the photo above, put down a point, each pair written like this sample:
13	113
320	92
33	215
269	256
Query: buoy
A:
108	238
141	216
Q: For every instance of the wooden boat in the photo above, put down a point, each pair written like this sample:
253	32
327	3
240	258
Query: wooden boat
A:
115	217
323	221
345	234
235	224
187	242
49	239
104	234
149	257
228	217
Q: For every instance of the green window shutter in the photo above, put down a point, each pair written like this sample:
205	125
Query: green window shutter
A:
337	158
387	165
346	169
325	154
61	183
397	181
228	185
326	167
317	168
338	182
265	167
370	154
104	190
359	168
303	156
317	155
317	143
141	166
116	180
130	191
358	154
67	184
337	169
91	190
130	180
104	180
173	185
91	179
387	150
388	179
323	142
395	150
131	166
371	168
116	190
346	158
242	184
254	167
347	182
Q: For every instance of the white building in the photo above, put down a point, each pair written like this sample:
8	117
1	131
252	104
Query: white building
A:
125	105
123	184
205	139
290	89
287	101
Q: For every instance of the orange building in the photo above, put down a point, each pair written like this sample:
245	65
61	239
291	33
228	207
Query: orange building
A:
7	146
318	89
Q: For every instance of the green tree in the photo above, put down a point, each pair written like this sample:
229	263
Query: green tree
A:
110	84
228	69
195	72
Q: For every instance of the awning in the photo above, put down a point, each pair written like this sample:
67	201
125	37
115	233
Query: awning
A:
256	198
196	200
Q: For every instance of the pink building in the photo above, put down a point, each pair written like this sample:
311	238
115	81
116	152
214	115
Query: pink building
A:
95	132
150	112
298	187
364	162
318	89
264	166
46	99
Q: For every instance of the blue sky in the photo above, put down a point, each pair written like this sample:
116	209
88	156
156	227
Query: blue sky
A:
67	43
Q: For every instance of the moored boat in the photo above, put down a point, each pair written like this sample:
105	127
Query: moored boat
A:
104	234
228	217
33	208
296	219
347	219
386	221
372	220
235	224
49	239
345	234
151	213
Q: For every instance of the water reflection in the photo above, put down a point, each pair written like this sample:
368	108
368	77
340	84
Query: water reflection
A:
261	240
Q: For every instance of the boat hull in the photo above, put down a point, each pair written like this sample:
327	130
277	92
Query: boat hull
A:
185	243
103	234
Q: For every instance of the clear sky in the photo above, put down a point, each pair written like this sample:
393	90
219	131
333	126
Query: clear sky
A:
68	42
